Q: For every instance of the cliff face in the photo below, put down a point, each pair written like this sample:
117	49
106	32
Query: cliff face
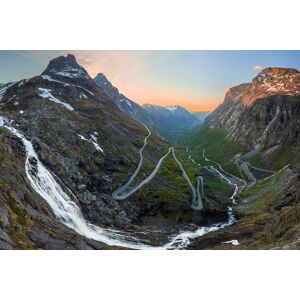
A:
91	147
263	113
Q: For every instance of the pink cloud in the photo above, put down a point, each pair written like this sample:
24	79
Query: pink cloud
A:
257	67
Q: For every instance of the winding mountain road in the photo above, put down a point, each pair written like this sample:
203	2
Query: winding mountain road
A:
243	167
124	191
196	203
117	194
66	210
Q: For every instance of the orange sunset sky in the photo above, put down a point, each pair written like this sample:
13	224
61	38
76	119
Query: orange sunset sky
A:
196	80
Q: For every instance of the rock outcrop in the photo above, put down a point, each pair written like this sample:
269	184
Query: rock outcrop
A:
263	113
86	141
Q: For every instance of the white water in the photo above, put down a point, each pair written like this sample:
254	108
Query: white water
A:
234	185
66	210
220	167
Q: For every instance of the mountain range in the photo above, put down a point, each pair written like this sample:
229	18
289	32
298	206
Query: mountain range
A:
159	117
84	167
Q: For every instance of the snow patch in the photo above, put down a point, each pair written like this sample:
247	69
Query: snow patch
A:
93	140
46	93
47	77
171	108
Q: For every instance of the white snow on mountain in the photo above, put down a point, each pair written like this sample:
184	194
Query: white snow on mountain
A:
171	108
93	140
47	77
46	93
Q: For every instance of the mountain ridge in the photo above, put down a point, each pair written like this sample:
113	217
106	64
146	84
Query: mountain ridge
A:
262	113
90	147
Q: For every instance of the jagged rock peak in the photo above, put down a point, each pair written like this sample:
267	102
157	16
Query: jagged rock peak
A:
101	75
276	75
66	66
269	82
233	92
101	79
275	71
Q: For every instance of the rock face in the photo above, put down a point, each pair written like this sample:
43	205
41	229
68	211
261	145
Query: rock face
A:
89	145
263	113
172	117
128	106
264	116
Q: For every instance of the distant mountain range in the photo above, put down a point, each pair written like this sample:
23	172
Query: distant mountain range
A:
128	106
79	170
171	116
158	117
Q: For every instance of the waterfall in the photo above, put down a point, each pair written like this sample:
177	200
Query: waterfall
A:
64	208
68	212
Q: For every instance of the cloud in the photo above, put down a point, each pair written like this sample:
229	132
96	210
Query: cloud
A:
257	68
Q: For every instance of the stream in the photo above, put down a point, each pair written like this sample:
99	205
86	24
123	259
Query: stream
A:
68	212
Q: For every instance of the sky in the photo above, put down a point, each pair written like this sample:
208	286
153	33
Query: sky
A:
196	80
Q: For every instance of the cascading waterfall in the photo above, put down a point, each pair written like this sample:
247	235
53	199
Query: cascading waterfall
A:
67	211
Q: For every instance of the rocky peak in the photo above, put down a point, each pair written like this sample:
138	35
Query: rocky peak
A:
101	76
102	81
269	82
66	66
233	92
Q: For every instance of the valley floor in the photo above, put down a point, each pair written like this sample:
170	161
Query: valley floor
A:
239	205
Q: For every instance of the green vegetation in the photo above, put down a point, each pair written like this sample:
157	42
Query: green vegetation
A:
273	160
169	186
257	198
19	218
215	142
165	199
217	148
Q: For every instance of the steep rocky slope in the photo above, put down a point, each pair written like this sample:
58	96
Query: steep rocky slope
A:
88	144
128	106
263	118
265	112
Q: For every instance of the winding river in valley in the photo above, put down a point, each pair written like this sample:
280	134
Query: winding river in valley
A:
68	212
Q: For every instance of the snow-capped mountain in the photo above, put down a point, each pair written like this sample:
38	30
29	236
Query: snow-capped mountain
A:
128	106
171	116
